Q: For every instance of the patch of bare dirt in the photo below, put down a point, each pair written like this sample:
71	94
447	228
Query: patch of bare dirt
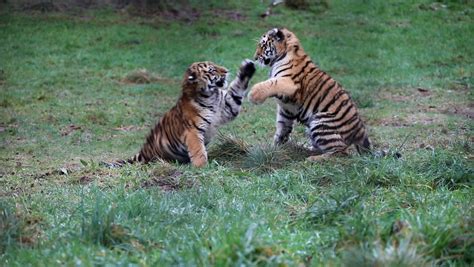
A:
69	129
42	6
410	120
394	97
167	180
464	111
3	77
85	179
233	15
182	14
400	23
141	76
129	128
408	95
424	91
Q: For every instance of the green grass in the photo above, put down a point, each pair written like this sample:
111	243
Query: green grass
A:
65	106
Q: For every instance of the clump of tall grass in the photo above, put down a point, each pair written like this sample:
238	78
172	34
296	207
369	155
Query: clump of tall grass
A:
267	157
402	254
228	147
263	157
17	228
99	226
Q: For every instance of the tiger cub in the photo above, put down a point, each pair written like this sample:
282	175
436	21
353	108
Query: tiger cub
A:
307	94
184	131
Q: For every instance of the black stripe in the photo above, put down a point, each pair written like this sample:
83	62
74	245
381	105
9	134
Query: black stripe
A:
302	70
325	126
201	130
352	129
341	105
286	116
285	64
296	47
333	100
231	110
204	119
319	88
308	73
314	134
354	133
201	94
237	99
325	93
338	118
323	142
282	71
205	106
306	108
314	92
279	58
316	75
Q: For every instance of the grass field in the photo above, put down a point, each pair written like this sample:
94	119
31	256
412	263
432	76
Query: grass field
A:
66	104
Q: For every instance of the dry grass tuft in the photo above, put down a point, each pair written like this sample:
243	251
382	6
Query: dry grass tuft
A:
228	147
141	76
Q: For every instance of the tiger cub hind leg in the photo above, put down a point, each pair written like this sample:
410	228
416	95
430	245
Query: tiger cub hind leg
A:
325	138
329	146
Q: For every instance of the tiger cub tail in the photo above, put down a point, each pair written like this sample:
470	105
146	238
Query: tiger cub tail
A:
120	163
364	146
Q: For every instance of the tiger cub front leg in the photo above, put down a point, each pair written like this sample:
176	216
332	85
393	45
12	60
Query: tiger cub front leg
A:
284	126
196	148
272	87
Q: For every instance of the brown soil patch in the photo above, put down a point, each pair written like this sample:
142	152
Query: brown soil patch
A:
167	180
410	120
85	179
464	111
405	96
143	76
3	77
129	128
69	129
183	14
394	97
424	91
233	15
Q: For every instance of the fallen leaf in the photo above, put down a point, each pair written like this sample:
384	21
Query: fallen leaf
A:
424	91
128	128
69	129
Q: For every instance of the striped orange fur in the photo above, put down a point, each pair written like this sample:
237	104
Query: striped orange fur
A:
184	131
308	95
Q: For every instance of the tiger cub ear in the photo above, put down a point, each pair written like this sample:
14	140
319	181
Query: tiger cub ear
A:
279	35
191	76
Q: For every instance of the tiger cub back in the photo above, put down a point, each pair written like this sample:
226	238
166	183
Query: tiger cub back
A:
308	95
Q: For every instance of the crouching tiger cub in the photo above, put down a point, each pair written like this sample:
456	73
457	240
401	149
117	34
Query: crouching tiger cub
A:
307	94
184	131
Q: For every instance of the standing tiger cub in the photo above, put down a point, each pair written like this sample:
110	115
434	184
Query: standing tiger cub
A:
183	132
307	94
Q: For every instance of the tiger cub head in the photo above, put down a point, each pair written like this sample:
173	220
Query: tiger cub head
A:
204	79
273	46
